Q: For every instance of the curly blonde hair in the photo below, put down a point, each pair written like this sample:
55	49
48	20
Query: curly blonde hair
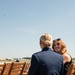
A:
63	46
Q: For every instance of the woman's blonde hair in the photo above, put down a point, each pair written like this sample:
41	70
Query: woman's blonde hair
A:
46	39
63	46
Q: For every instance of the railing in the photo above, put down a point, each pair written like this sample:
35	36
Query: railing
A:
21	68
14	68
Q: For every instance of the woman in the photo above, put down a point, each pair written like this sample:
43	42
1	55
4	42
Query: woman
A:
60	47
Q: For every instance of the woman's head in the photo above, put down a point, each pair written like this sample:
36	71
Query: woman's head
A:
45	40
59	46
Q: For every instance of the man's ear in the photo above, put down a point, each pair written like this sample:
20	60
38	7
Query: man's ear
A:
40	42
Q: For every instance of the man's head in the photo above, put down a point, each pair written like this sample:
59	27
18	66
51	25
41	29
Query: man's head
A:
45	40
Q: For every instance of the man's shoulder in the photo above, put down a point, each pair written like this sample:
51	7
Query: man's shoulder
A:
58	54
37	53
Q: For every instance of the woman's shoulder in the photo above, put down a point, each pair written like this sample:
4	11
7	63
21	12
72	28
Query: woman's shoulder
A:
67	57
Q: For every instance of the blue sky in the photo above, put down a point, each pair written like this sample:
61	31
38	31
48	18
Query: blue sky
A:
23	21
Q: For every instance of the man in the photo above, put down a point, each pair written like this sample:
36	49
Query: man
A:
46	62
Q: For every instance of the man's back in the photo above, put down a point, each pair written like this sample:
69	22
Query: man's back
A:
46	62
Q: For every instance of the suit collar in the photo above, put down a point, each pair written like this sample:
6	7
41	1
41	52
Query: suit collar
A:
46	49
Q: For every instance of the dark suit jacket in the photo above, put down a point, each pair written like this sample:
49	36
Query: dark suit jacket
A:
46	62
